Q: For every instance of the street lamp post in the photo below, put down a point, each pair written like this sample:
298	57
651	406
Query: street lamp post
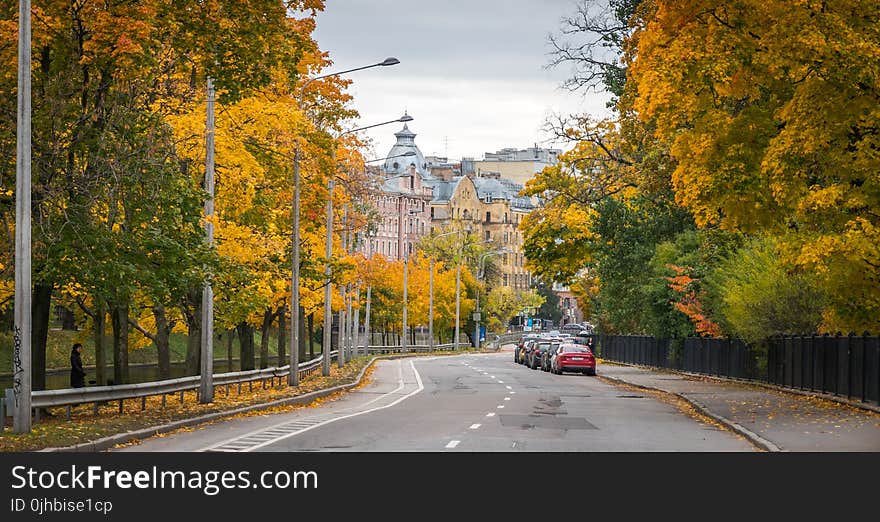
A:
405	271
458	290
293	377
431	294
371	236
206	381
328	310
480	274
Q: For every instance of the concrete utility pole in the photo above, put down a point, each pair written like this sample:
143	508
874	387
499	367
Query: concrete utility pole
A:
328	308
349	323
367	334
355	341
293	376
431	306
21	355
294	319
206	384
457	305
340	356
405	271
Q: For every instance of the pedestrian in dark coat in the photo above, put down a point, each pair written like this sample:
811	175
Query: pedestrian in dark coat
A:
77	374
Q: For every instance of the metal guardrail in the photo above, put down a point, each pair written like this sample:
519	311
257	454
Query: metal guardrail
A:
98	395
417	348
507	338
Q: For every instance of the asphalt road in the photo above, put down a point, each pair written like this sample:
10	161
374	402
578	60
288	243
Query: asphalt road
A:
483	403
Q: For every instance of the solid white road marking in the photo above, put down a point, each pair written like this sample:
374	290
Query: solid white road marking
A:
288	435
490	414
475	426
453	443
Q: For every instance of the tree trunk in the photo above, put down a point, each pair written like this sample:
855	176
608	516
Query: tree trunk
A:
246	344
268	316
40	312
68	320
302	335
100	320
193	315
311	336
163	336
282	335
119	316
230	334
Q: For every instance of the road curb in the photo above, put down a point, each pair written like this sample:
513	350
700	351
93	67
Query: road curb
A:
752	437
145	433
141	434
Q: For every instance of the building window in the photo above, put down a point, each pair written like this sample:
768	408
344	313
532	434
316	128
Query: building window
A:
488	217
505	279
488	235
432	212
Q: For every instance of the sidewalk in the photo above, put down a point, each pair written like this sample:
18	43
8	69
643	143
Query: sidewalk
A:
773	420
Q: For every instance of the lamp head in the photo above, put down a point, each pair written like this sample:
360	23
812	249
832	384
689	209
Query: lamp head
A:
405	118
389	61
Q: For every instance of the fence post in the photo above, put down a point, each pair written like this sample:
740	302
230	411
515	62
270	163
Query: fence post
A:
865	367
842	364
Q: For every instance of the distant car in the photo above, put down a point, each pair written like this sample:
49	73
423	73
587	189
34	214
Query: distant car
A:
547	355
535	348
573	358
520	346
521	351
537	354
572	328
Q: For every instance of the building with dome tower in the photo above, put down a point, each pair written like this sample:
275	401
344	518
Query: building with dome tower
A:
411	200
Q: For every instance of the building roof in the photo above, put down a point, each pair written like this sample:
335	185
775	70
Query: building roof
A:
397	163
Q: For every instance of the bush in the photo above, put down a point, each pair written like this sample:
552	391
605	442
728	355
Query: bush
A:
757	296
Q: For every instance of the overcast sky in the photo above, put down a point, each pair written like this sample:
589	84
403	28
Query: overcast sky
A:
472	72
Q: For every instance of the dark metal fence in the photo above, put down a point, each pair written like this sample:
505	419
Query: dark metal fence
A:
847	366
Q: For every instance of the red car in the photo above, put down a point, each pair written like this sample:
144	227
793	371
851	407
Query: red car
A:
573	358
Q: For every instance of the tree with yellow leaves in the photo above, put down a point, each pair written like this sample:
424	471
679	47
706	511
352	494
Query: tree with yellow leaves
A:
771	112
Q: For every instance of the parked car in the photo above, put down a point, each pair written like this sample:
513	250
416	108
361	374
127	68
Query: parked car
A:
537	353
573	358
548	355
523	353
535	348
518	350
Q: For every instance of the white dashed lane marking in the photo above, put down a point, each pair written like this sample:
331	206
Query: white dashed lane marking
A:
500	406
475	426
453	443
490	414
